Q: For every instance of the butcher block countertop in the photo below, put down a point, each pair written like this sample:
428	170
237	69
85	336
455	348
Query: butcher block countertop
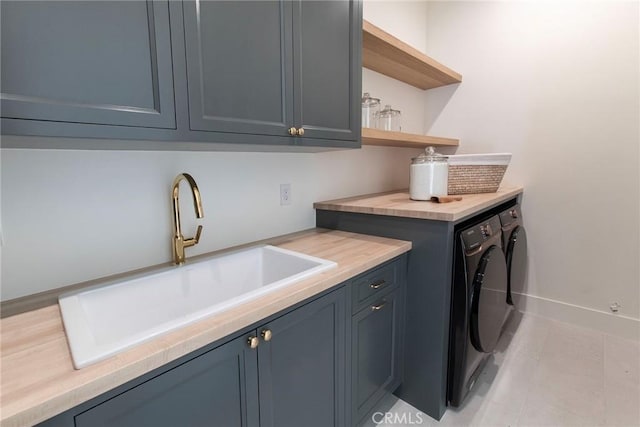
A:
398	203
38	378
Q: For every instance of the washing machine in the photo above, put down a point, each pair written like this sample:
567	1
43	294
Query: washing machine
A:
514	245
479	306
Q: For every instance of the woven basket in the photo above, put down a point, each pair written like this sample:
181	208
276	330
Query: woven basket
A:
476	173
471	179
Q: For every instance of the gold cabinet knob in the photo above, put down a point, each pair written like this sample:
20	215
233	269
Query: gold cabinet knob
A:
266	334
293	131
300	132
253	342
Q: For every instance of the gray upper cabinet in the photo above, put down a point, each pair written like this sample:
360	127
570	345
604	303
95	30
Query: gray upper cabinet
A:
327	69
181	75
93	62
238	57
265	67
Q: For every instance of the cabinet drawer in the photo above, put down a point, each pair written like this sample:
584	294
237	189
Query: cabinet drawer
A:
369	286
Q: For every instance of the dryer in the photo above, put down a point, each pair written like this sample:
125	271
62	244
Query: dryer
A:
479	306
514	244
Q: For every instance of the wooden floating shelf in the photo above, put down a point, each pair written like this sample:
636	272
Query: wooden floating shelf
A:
401	139
392	57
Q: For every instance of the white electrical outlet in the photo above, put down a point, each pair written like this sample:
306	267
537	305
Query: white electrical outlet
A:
285	194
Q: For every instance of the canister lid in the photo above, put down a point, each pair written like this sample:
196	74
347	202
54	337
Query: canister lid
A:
388	112
428	156
368	101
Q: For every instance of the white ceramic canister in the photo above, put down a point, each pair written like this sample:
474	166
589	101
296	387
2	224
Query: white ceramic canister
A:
429	175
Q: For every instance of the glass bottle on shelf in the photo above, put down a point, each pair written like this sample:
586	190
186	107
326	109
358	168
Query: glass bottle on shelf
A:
389	119
370	107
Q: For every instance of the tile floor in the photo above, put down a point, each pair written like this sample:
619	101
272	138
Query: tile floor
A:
547	373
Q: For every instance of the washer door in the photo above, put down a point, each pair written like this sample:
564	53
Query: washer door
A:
516	261
488	300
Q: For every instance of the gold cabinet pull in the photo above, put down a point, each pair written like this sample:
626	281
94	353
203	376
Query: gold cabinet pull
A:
378	284
300	132
253	342
378	306
293	131
266	334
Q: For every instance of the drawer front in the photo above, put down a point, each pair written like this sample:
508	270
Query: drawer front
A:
369	286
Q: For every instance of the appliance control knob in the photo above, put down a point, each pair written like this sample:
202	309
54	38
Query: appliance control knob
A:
513	213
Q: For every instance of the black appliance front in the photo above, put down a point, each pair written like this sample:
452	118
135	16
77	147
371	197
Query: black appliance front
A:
514	244
478	304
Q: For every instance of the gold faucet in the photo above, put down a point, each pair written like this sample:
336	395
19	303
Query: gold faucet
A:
179	242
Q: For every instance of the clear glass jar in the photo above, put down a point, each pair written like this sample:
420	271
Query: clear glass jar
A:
389	119
370	107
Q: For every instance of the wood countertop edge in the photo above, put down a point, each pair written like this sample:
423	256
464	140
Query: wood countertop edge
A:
437	214
51	400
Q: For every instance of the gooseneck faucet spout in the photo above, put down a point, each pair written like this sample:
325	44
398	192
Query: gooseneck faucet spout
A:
179	242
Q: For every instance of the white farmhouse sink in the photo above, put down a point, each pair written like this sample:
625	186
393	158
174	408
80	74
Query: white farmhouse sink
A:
103	321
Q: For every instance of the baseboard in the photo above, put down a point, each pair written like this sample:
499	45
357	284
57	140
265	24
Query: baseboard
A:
609	323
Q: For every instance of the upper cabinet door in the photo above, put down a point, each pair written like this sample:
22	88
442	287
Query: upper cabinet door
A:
239	66
98	62
327	68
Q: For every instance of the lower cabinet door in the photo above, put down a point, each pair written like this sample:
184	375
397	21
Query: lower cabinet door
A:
302	365
375	353
218	388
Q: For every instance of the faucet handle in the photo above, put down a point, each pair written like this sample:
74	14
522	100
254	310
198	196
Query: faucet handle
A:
194	240
198	232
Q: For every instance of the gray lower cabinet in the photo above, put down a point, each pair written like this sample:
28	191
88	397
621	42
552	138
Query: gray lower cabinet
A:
428	299
375	347
302	367
218	388
95	62
429	276
294	377
376	338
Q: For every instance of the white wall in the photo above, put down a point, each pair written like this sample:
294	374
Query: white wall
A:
405	20
556	84
70	216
